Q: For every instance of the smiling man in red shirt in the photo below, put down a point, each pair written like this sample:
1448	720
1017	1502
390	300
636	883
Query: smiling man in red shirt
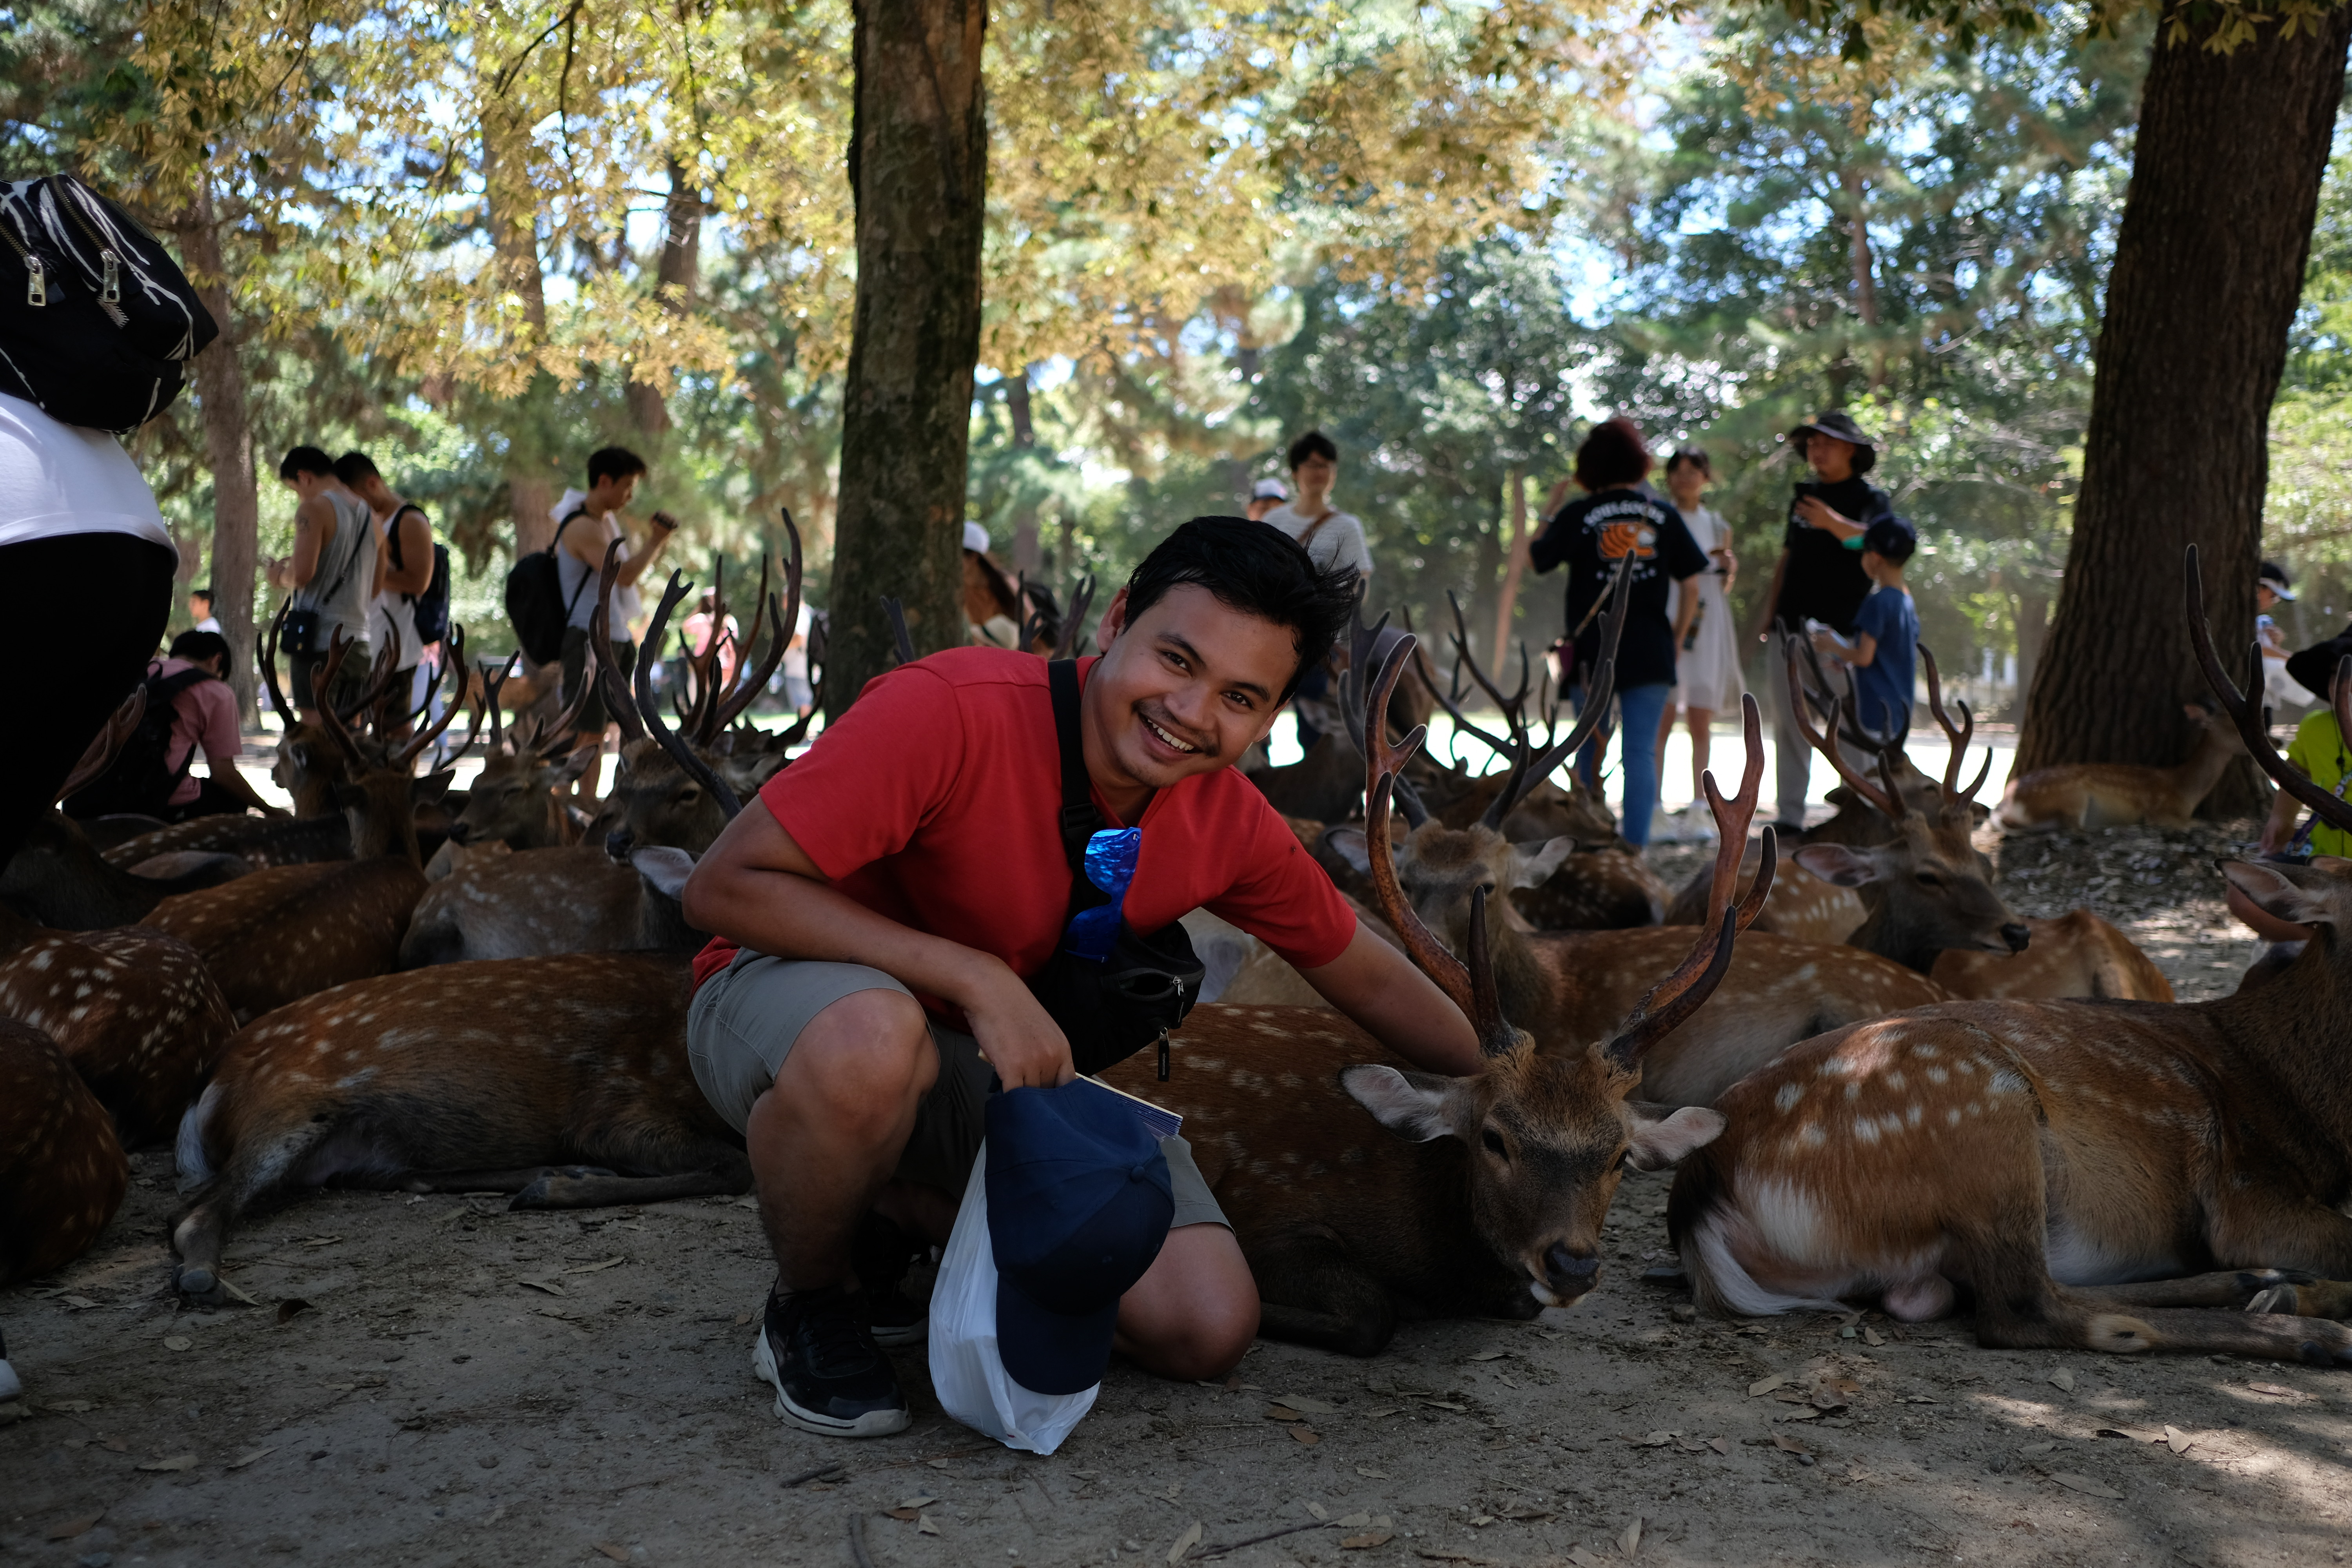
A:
882	906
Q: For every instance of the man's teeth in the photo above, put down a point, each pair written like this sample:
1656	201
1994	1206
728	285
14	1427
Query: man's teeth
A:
1170	739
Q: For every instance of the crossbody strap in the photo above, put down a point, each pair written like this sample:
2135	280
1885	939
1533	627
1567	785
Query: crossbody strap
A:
555	544
351	555
1079	819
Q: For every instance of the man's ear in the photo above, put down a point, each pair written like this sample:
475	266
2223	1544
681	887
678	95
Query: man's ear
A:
1660	1140
1410	1104
1836	863
1533	864
1113	622
2296	894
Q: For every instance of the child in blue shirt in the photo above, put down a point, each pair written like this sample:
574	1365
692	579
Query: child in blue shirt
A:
1883	655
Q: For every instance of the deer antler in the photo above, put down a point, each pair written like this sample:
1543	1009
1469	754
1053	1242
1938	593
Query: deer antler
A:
1681	994
270	664
787	617
1074	624
2323	802
1529	772
1514	707
620	702
1889	800
1367	656
453	658
1383	764
650	710
338	649
1957	735
98	756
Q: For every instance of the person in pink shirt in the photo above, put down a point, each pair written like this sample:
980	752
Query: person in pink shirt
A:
203	717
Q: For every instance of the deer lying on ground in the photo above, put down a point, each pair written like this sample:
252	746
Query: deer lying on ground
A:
560	1079
1485	1196
2114	1176
517	799
283	933
2077	955
62	1173
2095	795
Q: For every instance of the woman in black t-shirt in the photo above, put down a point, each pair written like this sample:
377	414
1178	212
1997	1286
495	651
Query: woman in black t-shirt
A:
1616	519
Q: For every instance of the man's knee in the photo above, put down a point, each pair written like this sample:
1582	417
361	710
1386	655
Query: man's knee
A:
1213	1338
861	1059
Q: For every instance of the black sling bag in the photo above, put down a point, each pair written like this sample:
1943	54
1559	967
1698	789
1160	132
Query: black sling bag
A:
1112	1009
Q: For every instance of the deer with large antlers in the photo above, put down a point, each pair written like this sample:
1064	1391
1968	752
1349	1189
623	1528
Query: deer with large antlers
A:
577	899
1486	1195
2114	1176
561	1080
517	798
283	933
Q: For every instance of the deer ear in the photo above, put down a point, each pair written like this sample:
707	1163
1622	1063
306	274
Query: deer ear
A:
1659	1142
432	786
1836	863
1410	1104
1348	843
2194	710
666	869
2296	894
567	769
1533	864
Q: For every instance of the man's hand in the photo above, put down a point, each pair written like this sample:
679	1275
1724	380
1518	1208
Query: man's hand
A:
1017	1036
1823	516
1830	646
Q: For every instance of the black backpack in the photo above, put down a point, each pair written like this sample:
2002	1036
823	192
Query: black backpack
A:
139	780
535	604
98	322
430	610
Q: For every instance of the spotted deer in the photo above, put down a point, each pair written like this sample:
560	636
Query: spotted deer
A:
62	1169
282	933
560	1079
2075	954
577	899
1485	1194
2118	1176
516	798
2096	795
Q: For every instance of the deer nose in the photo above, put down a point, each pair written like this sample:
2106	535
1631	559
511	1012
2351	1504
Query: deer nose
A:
1570	1273
459	833
2017	935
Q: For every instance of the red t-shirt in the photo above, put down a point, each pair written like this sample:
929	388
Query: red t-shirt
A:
934	801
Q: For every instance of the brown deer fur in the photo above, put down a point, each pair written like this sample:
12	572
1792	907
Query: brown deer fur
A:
2077	955
2096	795
2116	1176
62	1173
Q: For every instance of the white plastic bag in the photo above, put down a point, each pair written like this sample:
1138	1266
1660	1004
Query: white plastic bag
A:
966	1371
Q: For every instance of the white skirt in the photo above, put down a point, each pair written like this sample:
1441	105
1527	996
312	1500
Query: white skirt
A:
1707	673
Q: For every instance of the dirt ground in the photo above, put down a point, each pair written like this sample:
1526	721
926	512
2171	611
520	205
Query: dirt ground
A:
434	1379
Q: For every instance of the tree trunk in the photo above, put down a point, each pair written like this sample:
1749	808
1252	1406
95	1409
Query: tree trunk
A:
918	166
2208	272
676	276
513	210
1865	270
1515	563
228	447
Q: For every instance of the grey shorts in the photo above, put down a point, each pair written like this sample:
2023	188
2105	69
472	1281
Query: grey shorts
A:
745	1018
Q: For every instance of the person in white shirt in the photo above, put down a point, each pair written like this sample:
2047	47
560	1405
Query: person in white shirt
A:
1707	668
200	610
587	522
404	568
85	573
1334	539
330	579
1264	495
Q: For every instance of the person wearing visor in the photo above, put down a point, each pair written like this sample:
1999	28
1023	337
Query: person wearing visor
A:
901	915
1818	578
1264	495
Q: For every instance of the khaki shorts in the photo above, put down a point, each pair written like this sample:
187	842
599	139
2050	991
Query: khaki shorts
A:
745	1018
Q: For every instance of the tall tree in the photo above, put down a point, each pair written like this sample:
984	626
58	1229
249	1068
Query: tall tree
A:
2208	270
918	169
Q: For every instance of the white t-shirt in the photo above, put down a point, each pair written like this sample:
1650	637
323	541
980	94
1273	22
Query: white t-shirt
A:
576	577
1339	543
58	479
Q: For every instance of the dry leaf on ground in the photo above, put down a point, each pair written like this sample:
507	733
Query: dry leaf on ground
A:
921	1502
1648	1440
1185	1542
617	1553
597	1268
246	1459
2063	1378
73	1527
2177	1440
1585	1557
1372	1475
178	1343
1305	1436
925	1526
2272	1389
1282	1413
1311	1406
1368	1538
1489	1355
1631	1542
176	1462
2137	1434
1758	1390
1318	1510
552	1289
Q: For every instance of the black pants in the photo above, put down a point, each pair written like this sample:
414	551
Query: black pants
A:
80	618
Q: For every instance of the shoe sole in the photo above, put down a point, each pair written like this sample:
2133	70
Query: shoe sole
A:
905	1337
873	1424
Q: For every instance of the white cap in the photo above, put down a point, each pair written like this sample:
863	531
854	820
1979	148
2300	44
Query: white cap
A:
1269	489
975	538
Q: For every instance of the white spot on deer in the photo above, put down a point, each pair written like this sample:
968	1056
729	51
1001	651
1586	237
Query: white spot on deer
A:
1938	1075
1854	1091
1925	1052
2006	1081
1865	1130
1913	1114
1894	1080
1791	1093
1953	1115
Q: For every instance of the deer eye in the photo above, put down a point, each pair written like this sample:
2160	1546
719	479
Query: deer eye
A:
1929	879
1495	1144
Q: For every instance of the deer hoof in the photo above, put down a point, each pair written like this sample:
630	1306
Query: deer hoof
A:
2277	1299
546	1190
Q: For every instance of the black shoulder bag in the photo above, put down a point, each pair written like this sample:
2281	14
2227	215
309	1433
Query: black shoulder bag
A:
1112	1009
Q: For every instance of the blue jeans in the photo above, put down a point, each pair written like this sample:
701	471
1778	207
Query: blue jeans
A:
1639	709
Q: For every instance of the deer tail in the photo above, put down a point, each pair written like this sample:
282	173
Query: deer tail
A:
195	1167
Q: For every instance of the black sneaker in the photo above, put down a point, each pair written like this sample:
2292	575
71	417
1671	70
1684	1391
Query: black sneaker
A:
829	1375
880	1253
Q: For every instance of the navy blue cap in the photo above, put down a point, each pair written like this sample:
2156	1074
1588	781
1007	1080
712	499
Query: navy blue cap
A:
1080	1202
1891	537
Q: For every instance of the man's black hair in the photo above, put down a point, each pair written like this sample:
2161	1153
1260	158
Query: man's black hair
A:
198	647
305	461
613	463
1254	569
1313	444
205	594
356	468
1695	456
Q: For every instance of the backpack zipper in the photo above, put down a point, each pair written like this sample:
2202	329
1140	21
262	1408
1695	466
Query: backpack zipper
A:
109	293
36	281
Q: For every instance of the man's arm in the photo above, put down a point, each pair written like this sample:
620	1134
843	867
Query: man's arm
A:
657	534
1771	597
755	886
1398	1005
415	551
314	525
1685	607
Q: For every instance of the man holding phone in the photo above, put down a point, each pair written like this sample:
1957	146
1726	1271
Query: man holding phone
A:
1819	577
